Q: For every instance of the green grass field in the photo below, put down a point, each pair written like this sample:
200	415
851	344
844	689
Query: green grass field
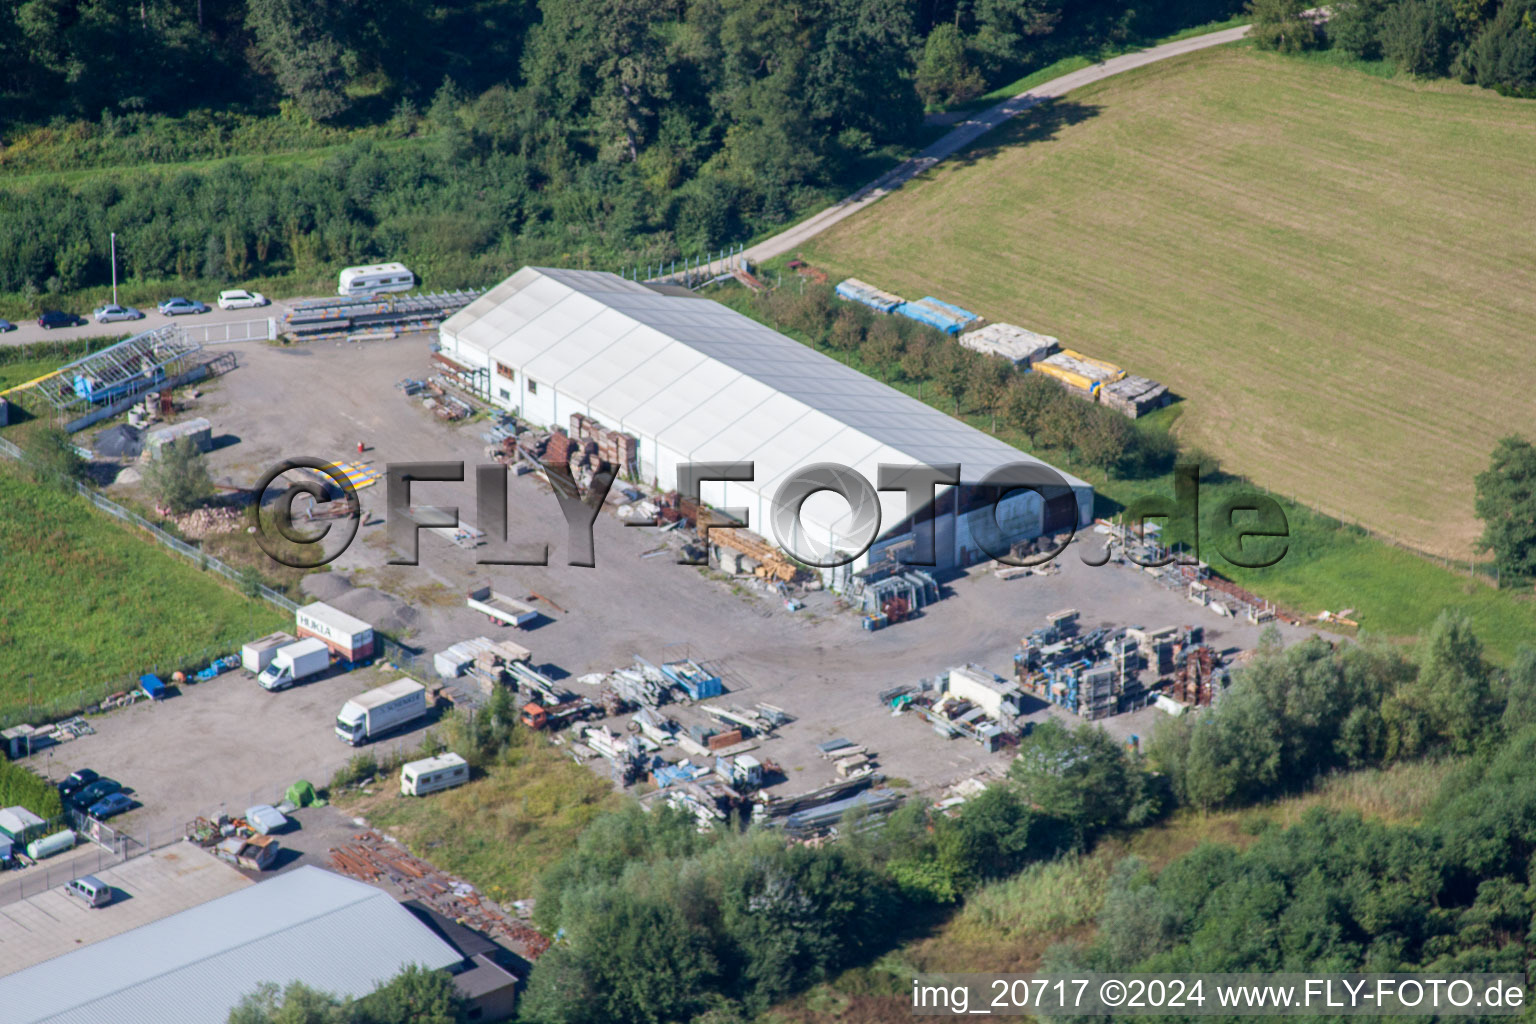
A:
1334	269
501	829
88	605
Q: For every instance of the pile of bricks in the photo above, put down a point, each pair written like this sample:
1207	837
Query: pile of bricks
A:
619	450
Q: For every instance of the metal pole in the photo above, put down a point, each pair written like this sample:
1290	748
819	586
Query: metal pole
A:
114	268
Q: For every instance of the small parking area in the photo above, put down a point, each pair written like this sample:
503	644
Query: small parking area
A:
219	747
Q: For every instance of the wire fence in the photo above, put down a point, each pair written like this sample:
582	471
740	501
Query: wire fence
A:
89	698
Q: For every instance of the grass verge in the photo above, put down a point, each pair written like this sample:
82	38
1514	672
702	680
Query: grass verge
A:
89	606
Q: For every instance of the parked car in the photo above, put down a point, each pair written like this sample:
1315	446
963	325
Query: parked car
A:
177	306
107	806
111	311
241	299
94	792
6	325
55	318
75	781
91	889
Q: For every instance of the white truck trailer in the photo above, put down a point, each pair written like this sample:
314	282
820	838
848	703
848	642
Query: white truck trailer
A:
370	715
294	662
501	609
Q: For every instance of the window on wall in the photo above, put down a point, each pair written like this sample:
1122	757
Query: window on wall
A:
503	370
506	396
533	386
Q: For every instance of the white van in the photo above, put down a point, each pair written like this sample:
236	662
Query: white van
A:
381	277
91	889
430	774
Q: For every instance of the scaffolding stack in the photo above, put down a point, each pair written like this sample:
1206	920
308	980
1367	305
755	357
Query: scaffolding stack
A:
373	315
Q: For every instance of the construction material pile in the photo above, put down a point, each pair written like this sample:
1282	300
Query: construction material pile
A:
205	522
1015	344
372	858
613	447
1134	396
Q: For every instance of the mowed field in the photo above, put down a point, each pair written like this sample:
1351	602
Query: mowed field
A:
1336	271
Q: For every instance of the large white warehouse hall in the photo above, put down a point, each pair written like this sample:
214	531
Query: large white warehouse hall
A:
696	381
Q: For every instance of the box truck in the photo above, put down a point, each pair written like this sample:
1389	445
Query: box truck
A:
370	715
297	661
348	638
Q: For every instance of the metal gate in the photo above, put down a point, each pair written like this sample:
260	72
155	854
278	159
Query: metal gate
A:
230	331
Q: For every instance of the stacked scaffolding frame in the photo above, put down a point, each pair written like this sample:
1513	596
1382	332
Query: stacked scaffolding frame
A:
117	373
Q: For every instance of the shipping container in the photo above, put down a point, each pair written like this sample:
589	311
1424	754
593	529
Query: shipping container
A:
351	639
257	654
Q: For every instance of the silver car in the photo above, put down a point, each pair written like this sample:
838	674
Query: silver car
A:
112	311
175	307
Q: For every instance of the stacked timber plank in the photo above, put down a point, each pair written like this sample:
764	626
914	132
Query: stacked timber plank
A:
771	564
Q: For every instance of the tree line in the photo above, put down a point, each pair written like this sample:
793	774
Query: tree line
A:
897	349
1337	892
657	922
468	137
1491	43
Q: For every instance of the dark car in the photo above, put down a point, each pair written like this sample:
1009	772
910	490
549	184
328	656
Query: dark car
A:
107	806
76	781
55	318
6	325
94	792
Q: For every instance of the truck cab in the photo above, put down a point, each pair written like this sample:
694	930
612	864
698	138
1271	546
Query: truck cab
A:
276	677
350	724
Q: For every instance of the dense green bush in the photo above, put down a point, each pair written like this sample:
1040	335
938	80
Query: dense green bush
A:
19	786
1293	715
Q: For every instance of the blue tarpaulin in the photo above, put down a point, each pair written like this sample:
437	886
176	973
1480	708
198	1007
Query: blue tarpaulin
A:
855	290
946	317
152	687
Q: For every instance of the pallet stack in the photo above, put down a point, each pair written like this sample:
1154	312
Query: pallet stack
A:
619	450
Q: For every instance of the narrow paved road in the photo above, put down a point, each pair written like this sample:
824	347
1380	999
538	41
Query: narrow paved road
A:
968	131
28	331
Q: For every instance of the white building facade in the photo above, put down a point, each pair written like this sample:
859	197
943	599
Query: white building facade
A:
694	381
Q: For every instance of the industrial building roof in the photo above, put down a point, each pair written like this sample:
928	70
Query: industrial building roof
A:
309	925
710	383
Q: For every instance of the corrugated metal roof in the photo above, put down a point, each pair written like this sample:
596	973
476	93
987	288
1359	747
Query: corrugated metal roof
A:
309	925
711	383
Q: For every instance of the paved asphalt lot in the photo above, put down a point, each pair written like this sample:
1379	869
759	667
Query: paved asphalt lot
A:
225	744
